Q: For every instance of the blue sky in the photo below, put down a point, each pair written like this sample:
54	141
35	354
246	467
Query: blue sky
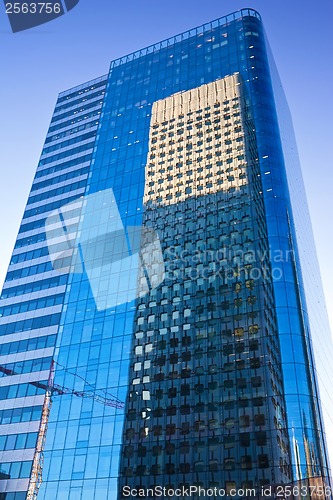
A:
39	63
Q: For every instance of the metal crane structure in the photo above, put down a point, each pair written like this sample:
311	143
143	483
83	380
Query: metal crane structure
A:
52	389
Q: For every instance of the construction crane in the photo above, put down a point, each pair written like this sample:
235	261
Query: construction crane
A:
51	389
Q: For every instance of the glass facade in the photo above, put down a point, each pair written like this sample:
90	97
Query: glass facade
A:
203	374
33	294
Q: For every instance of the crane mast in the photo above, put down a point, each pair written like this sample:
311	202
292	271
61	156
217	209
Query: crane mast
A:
36	477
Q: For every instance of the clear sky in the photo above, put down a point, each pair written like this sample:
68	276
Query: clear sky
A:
37	64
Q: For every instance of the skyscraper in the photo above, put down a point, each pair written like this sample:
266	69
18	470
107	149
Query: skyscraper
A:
154	326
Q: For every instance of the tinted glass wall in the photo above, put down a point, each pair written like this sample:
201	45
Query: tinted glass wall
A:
225	47
206	376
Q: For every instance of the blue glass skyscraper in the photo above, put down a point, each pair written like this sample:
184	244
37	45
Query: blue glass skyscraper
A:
154	326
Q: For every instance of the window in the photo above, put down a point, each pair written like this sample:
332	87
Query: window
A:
263	461
244	439
170	429
244	421
259	419
246	462
229	463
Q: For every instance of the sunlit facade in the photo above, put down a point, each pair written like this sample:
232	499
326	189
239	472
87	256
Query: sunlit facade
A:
204	375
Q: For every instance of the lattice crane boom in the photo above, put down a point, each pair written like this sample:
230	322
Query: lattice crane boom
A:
51	389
